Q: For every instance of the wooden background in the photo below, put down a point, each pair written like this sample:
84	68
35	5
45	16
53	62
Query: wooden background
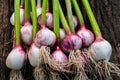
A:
107	13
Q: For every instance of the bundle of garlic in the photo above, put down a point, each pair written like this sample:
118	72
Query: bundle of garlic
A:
57	49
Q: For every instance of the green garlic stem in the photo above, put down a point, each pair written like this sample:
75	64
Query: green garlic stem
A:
64	21
27	10
17	21
78	12
34	18
70	16
91	17
56	19
44	7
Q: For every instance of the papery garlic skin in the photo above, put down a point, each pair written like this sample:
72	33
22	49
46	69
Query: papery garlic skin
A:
16	58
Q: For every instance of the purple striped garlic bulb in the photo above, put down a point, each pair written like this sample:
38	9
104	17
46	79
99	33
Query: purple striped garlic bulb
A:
45	37
49	20
26	33
86	35
59	56
71	42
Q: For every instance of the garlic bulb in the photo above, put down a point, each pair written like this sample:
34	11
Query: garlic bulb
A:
86	35
33	55
101	49
26	33
62	34
45	37
49	20
71	42
21	17
39	11
16	58
59	56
